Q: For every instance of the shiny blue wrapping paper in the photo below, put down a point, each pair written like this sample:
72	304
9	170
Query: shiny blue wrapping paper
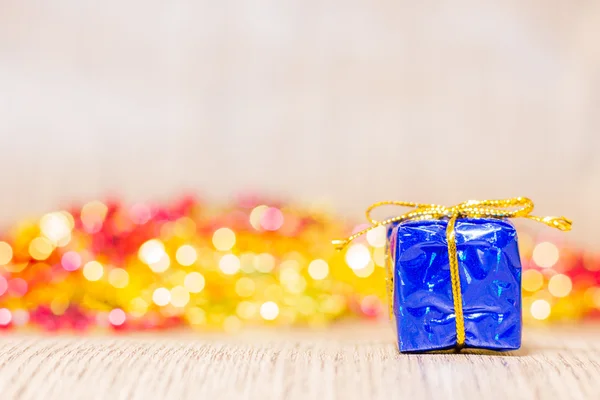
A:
490	277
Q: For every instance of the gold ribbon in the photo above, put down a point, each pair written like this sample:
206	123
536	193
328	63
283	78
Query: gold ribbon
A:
516	207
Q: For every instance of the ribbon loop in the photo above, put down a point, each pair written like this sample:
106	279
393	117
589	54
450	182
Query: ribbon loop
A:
516	207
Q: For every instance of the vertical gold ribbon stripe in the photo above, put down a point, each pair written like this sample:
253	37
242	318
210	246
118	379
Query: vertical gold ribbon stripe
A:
459	318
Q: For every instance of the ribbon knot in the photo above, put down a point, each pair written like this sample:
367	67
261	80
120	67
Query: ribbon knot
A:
516	207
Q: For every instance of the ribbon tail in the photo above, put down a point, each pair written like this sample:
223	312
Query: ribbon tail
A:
561	223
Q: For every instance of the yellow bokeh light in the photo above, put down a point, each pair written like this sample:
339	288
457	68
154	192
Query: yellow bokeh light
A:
223	239
245	287
358	256
246	309
186	255
180	296
291	278
318	269
138	307
365	272
256	216
161	265
6	253
195	315
59	304
229	264
379	256
545	254
40	248
176	277
151	251
297	286
273	291
93	271
269	310
247	262
167	231
532	280
194	282
307	305
64	241
161	296
264	263
560	285
118	277
288	275
540	309
334	304
93	214
184	227
69	218
377	237
56	227
290	264
17	267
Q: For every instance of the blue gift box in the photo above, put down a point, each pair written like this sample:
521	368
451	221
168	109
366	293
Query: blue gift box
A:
490	281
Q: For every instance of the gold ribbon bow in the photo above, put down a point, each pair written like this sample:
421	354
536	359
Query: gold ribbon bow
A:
516	207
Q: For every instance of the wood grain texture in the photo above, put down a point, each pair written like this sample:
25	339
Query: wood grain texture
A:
348	362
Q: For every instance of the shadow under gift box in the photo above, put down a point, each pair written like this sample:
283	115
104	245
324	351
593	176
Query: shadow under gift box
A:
490	279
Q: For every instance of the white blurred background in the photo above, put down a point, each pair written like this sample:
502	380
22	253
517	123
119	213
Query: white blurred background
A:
343	102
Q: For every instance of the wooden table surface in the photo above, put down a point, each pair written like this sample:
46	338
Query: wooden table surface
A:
345	362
